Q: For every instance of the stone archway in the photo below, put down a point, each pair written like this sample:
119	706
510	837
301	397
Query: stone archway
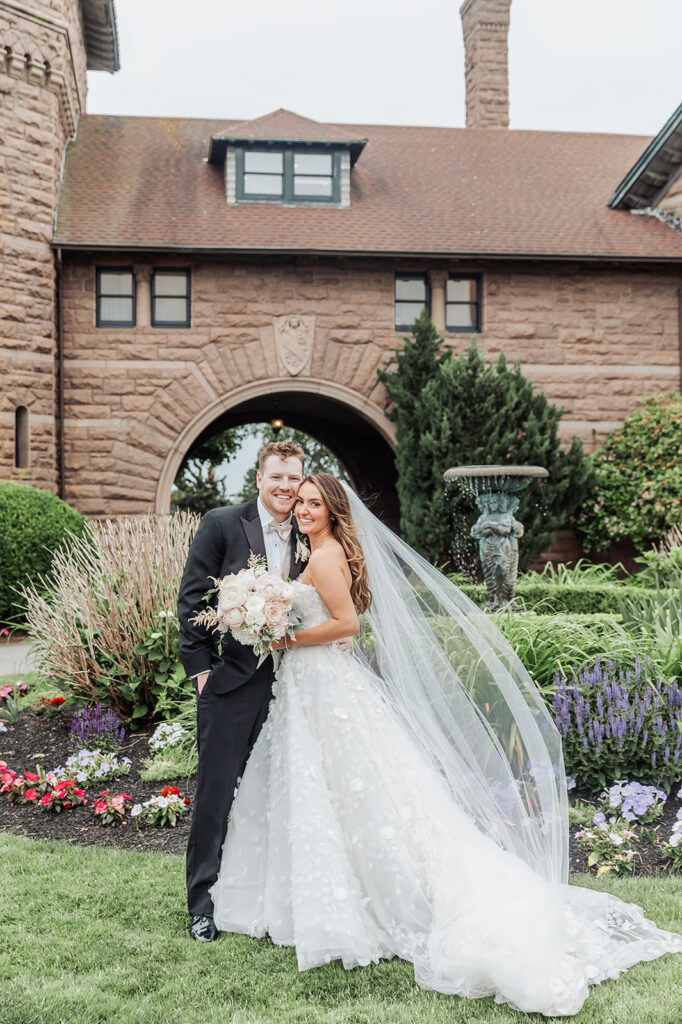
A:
352	426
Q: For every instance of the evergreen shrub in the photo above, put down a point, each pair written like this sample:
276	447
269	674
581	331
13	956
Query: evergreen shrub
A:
637	494
34	524
453	410
582	599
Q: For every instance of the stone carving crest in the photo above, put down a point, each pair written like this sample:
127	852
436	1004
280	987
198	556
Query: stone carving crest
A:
294	336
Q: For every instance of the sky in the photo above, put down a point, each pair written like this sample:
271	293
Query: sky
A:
575	65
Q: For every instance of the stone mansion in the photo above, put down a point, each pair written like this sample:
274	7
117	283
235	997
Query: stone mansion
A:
163	277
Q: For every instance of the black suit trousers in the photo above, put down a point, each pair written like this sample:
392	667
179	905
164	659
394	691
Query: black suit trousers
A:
228	725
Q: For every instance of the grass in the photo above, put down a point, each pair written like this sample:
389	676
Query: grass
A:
92	935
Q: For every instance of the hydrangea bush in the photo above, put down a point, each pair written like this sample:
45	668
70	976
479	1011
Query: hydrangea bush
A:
638	493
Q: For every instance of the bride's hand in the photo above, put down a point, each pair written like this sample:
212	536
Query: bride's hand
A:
281	645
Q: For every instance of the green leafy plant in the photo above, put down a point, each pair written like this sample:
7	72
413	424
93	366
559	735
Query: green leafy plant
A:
454	410
607	847
547	643
656	617
34	524
108	591
637	494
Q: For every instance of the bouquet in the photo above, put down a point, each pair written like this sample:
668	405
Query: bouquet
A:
253	605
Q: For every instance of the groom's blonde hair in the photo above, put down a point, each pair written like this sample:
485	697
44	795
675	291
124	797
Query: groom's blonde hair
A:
283	450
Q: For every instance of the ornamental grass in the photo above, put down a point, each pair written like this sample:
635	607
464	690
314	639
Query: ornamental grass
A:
103	623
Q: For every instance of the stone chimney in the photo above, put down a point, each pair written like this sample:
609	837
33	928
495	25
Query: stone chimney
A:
485	25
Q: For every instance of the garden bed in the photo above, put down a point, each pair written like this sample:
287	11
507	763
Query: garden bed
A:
42	739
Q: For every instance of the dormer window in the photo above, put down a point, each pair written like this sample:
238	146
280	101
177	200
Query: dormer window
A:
288	175
283	158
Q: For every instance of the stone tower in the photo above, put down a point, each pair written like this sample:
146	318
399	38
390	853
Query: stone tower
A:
485	25
46	46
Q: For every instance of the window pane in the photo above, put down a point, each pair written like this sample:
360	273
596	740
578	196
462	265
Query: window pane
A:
117	310
463	315
114	283
304	186
460	291
266	163
312	163
410	288
170	310
407	312
263	184
170	284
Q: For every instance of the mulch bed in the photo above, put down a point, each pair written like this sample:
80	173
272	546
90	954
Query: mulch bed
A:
43	739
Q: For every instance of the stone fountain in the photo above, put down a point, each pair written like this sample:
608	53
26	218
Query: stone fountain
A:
496	530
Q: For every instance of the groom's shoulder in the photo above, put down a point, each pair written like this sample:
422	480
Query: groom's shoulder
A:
227	514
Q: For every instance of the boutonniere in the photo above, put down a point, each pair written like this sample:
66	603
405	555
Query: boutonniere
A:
302	549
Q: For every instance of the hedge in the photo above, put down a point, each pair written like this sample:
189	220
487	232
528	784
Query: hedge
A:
584	599
33	524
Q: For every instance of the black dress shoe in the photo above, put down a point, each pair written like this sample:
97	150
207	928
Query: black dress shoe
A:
203	928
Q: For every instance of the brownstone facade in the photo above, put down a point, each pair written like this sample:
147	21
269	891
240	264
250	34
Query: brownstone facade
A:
42	92
586	297
597	340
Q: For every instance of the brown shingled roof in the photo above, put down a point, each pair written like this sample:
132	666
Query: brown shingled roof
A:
145	182
285	125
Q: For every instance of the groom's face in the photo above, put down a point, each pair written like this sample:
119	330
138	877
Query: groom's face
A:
278	485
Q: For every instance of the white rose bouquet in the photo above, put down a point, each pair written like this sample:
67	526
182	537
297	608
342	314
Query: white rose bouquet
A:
253	605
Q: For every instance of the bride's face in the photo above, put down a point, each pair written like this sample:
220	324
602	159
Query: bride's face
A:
312	515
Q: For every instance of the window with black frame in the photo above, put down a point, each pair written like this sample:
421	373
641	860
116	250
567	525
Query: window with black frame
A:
411	297
115	297
171	298
463	303
288	175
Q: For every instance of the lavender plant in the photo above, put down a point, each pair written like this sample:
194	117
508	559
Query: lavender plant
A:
621	724
97	724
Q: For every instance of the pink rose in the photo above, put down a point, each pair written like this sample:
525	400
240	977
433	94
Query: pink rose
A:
267	587
275	614
232	617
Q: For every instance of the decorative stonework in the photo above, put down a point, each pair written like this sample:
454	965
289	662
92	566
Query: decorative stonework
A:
294	337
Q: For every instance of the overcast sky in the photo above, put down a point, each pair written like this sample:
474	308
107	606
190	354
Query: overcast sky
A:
575	65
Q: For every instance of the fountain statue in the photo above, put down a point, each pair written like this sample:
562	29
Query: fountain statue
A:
496	529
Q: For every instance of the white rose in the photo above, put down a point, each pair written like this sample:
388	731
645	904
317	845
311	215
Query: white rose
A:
275	614
231	595
268	587
285	591
233	617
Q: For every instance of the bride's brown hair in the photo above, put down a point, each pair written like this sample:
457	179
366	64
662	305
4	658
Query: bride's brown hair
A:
343	528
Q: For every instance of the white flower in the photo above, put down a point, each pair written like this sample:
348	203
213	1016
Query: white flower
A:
135	810
676	838
615	838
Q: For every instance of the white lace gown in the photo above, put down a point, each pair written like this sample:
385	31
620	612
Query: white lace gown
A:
345	843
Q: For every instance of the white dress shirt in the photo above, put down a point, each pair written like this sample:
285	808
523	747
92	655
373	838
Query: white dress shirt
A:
275	546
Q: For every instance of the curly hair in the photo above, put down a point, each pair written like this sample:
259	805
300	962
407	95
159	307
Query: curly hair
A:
343	528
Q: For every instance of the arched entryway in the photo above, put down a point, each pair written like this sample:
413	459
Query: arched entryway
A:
355	429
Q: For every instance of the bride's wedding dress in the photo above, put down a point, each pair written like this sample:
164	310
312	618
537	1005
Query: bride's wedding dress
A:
345	842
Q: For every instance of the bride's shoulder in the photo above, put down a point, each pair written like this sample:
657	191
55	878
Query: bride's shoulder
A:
330	556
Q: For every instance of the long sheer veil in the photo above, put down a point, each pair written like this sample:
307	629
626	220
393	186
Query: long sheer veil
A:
466	700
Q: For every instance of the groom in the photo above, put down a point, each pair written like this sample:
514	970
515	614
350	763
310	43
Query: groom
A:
233	694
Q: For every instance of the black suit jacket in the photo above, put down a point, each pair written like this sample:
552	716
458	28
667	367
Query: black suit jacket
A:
222	545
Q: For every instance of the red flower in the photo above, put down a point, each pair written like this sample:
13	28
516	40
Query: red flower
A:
186	800
31	794
105	792
56	701
31	776
46	799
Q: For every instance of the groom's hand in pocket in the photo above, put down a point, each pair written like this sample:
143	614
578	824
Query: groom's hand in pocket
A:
201	681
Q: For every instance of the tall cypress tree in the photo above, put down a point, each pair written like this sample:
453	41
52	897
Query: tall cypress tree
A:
458	410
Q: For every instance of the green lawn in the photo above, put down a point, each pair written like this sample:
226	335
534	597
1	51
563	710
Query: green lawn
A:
93	935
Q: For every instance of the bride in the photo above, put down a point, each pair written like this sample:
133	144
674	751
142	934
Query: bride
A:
413	804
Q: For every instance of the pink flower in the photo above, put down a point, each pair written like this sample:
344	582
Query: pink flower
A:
267	587
31	794
31	776
275	614
233	617
46	799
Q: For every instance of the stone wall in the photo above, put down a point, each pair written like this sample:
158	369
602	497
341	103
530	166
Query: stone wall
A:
42	91
485	27
597	340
